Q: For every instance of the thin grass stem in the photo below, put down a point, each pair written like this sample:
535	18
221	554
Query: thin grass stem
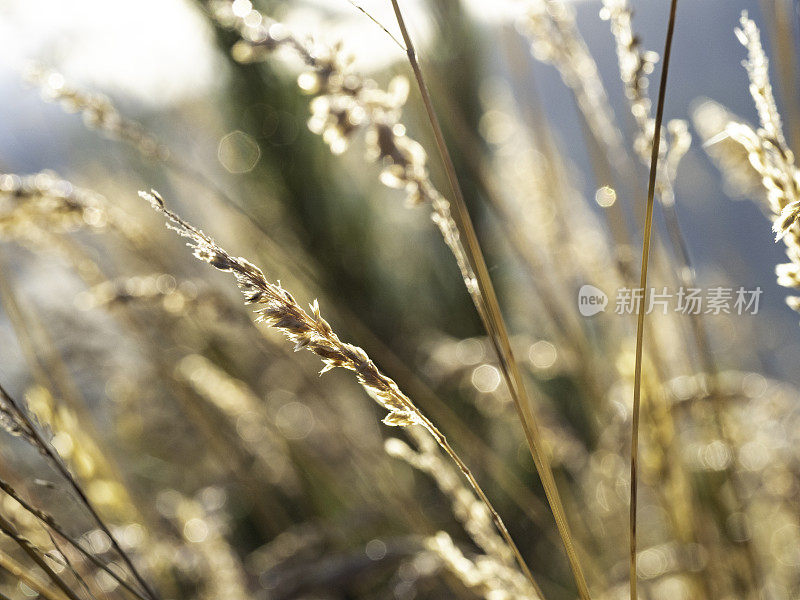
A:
648	227
50	522
489	310
59	465
16	570
8	529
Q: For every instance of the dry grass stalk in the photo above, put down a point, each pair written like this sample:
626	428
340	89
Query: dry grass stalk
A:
50	521
97	110
637	386
100	113
555	39
15	419
771	157
486	302
345	103
25	576
636	64
467	508
157	288
77	444
710	120
482	574
37	556
46	203
277	308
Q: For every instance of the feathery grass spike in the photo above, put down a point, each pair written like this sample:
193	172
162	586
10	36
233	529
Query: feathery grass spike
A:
277	308
770	156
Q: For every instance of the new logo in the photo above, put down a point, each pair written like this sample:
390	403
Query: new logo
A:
591	300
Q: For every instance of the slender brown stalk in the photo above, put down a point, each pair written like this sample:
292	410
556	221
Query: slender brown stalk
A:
62	559
50	522
489	310
58	464
648	227
13	568
8	529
